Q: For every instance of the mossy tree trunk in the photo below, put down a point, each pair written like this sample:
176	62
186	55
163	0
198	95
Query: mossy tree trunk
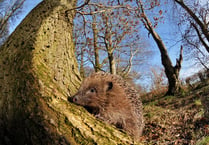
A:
38	71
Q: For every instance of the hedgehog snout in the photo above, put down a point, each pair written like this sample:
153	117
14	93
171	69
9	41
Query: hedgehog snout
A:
72	99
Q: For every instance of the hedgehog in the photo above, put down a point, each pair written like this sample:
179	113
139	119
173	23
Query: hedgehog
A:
110	98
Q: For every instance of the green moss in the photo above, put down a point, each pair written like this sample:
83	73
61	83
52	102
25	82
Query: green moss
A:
42	75
153	103
76	134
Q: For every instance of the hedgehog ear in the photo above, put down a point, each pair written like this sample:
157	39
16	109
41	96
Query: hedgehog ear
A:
109	86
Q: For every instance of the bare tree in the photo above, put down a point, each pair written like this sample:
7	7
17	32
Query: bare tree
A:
8	9
97	65
114	32
198	21
158	79
172	72
194	24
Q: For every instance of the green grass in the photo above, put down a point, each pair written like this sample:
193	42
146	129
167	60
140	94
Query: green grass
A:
204	141
198	102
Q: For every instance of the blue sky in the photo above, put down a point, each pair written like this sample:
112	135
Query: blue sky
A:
167	30
27	7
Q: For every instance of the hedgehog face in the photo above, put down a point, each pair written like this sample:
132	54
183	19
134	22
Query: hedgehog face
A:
92	94
85	96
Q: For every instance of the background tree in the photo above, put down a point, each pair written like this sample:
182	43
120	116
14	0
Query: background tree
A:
193	19
158	79
172	72
198	20
8	11
97	66
38	70
116	37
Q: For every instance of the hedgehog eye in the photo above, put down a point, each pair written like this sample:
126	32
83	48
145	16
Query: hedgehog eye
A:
92	90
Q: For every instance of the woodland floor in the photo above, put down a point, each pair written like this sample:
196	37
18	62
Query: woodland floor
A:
176	120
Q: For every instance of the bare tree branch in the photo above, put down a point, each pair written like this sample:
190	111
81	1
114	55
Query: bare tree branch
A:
127	69
8	14
200	37
196	19
81	6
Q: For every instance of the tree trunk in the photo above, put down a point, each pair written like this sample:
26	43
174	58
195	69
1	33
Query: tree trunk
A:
173	75
172	72
38	71
96	49
108	45
112	63
82	71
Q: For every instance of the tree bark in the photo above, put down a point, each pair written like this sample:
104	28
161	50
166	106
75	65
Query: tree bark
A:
172	72
38	70
108	45
82	71
96	49
111	63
